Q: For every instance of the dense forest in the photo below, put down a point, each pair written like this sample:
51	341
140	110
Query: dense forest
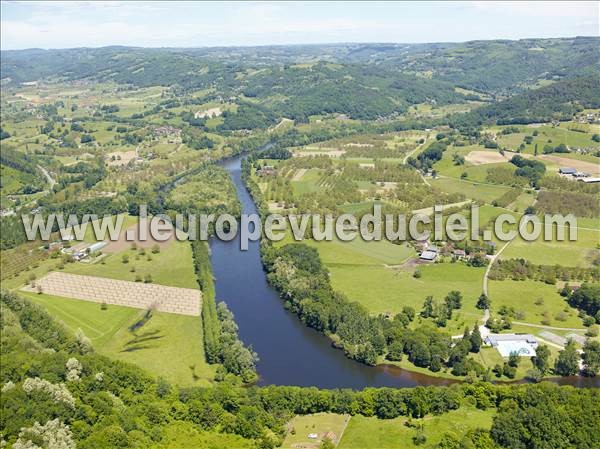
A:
558	101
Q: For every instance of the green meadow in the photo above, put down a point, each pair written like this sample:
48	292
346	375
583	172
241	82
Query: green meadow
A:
368	432
480	192
166	345
171	266
309	182
554	252
548	135
535	302
318	423
382	289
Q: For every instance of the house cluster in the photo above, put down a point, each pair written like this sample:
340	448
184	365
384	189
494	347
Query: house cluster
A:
574	174
167	131
588	118
430	253
266	170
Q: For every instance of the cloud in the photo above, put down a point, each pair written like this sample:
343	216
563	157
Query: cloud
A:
585	9
75	24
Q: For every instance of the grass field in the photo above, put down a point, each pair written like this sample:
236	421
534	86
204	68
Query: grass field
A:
480	192
367	433
172	266
166	345
386	290
566	253
524	200
490	357
366	272
319	423
522	295
547	135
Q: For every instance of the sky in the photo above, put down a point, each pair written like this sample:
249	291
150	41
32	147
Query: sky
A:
67	24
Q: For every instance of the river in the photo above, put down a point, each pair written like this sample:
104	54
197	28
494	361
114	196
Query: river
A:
291	353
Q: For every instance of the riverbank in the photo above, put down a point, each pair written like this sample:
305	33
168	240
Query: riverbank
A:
290	352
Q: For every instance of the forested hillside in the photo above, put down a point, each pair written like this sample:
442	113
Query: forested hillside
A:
558	101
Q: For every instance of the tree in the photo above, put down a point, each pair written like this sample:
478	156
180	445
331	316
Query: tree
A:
535	375
509	371
591	358
514	359
409	312
395	351
483	302
453	301
427	307
567	363
541	359
475	339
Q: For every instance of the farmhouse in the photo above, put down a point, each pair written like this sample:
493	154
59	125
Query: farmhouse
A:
522	344
567	171
430	254
267	170
460	253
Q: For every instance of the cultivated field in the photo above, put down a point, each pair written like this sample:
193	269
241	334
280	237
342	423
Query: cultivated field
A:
138	295
486	157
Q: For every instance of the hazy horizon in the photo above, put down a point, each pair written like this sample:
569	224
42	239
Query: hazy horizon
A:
64	25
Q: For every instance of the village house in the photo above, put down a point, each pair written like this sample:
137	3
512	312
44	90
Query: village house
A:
430	254
567	171
267	170
460	253
167	131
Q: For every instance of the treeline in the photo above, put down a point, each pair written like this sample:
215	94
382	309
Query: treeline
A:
521	269
433	153
295	270
221	341
28	174
530	169
585	298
